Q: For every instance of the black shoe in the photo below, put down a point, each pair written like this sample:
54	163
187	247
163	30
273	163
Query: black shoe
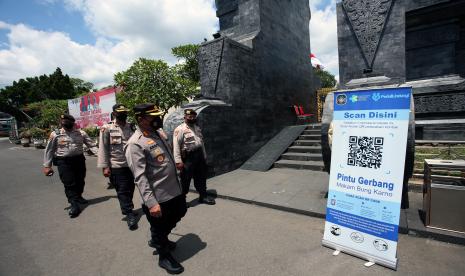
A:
131	219
110	186
171	245
207	200
74	210
82	200
172	266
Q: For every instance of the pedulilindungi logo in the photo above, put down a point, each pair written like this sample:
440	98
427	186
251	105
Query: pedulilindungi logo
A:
380	245
335	230
376	97
357	237
341	99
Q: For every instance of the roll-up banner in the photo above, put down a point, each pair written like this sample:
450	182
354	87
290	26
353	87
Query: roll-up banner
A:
370	131
93	109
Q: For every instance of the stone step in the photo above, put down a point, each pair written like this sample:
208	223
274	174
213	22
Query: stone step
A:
300	165
307	143
310	137
302	156
314	127
312	132
308	149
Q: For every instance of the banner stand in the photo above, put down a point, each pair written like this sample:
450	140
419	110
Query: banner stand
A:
356	253
370	129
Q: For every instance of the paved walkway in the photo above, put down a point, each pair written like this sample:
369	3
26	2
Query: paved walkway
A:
302	192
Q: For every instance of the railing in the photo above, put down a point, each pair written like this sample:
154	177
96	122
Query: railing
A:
321	95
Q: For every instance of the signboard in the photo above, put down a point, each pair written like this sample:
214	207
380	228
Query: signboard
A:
93	109
367	165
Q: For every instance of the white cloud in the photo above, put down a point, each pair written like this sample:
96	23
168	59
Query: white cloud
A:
125	31
323	35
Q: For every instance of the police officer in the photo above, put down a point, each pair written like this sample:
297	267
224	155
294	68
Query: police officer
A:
65	150
113	138
190	156
149	158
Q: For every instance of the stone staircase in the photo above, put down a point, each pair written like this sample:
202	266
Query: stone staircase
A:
305	152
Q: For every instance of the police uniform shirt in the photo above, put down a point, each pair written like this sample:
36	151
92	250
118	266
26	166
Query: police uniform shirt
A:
152	164
187	138
112	140
66	144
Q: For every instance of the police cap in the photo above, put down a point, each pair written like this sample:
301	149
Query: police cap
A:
189	111
120	108
67	117
147	109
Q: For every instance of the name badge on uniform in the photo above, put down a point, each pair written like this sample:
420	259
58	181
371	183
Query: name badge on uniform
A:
115	138
158	154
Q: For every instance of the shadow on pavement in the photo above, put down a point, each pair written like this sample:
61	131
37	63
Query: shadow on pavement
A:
187	246
93	201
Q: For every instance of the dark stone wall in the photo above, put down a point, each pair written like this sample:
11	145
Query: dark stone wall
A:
422	45
389	60
258	68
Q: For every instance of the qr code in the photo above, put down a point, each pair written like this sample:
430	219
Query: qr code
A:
365	151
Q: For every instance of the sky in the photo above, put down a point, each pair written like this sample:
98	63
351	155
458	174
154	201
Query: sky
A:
94	39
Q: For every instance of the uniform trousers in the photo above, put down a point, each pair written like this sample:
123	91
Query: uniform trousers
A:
171	213
72	171
123	180
195	167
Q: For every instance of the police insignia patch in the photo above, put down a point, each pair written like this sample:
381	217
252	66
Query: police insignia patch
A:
160	158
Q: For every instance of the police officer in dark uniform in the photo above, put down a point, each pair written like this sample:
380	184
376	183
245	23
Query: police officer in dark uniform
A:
65	150
111	158
150	159
190	156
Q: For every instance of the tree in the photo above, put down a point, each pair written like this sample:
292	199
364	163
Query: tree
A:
56	86
47	113
327	79
82	87
153	81
189	66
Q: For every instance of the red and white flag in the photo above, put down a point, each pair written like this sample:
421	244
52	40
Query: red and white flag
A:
316	63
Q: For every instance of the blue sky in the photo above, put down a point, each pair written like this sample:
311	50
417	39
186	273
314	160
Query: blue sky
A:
44	15
93	39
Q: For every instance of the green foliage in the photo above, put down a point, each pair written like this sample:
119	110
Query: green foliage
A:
47	113
36	89
38	133
82	87
24	132
91	131
153	81
189	67
327	79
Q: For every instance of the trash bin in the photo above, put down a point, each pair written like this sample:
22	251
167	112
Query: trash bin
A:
444	194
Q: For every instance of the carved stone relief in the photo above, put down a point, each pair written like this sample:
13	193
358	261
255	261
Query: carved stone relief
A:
368	18
440	103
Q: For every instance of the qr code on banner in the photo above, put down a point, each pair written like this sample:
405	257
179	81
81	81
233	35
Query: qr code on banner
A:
365	151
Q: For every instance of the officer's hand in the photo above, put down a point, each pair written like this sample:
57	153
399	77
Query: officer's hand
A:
179	166
155	211
106	172
48	171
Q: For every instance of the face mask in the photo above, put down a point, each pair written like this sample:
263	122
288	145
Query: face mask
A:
157	123
191	122
68	125
121	117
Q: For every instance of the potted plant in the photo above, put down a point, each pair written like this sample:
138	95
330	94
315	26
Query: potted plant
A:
38	137
25	135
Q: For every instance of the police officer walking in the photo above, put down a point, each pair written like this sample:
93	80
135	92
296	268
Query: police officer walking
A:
190	156
65	150
149	158
113	138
